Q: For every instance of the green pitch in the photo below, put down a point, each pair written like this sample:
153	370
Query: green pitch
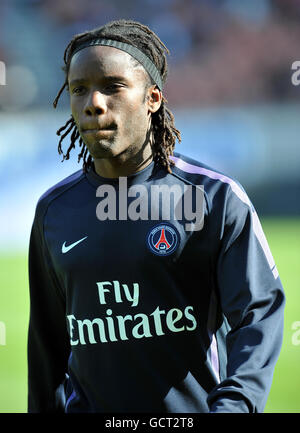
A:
284	239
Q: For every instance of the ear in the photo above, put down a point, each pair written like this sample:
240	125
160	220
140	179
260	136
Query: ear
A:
154	98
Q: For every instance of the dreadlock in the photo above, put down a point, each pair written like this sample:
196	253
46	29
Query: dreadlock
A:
163	127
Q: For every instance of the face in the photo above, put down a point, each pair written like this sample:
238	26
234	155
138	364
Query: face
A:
110	102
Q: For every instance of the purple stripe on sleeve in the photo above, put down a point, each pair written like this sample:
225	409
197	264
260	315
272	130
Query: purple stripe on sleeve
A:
72	396
213	348
194	169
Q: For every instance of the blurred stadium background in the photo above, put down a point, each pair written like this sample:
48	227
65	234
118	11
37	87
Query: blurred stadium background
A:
231	91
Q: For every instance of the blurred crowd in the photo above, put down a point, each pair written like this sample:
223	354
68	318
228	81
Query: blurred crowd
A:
221	51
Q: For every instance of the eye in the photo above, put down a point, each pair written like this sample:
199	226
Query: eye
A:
77	90
113	87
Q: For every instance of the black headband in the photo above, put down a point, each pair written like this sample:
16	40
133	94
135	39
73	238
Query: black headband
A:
130	49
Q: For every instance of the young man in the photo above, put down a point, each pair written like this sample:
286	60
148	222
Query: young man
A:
135	306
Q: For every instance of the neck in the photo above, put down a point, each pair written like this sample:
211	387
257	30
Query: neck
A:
114	168
132	160
128	162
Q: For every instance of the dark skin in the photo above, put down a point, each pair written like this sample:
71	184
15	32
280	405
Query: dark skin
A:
112	102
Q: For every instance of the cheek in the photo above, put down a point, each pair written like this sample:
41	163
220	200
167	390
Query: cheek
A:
74	110
135	116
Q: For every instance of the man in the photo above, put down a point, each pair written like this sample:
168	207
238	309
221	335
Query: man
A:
136	307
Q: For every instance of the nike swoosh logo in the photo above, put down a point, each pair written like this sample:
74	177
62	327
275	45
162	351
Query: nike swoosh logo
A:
65	249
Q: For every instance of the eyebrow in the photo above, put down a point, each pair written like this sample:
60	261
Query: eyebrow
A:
77	81
105	78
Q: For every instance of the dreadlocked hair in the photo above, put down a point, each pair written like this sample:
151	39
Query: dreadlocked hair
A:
163	127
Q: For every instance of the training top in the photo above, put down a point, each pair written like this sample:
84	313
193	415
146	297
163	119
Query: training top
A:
155	292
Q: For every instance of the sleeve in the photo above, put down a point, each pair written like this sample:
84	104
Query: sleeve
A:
252	299
48	344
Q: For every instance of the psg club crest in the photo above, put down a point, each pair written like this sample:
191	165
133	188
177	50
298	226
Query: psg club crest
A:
163	239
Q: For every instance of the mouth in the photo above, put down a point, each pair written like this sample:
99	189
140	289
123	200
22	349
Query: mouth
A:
97	129
98	133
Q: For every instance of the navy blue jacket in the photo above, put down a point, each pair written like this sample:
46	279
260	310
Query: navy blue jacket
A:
151	314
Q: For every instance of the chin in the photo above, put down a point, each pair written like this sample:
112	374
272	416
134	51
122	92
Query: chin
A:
103	149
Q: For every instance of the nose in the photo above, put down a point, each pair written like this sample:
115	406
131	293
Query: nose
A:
96	104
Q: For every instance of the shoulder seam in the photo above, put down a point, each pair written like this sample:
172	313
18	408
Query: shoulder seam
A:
43	216
56	194
209	205
59	194
217	176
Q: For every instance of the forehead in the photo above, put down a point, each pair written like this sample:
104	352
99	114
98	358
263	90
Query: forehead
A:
103	60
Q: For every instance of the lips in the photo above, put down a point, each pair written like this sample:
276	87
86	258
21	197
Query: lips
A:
97	127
